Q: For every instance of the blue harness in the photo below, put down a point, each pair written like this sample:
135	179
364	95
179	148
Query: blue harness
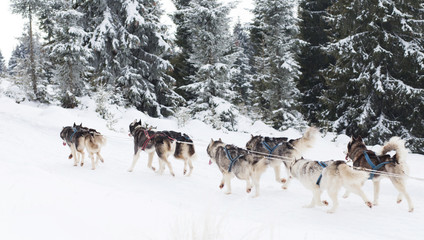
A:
270	150
75	130
323	165
374	167
232	160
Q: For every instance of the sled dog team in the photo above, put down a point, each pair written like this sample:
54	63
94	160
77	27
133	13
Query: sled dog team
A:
260	153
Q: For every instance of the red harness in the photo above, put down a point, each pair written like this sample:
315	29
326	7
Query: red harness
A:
147	140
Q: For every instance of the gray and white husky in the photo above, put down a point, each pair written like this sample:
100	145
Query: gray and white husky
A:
164	143
328	176
282	150
395	167
233	161
79	138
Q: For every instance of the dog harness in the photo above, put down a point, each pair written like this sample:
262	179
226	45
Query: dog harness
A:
270	150
75	130
232	160
146	133
323	165
374	167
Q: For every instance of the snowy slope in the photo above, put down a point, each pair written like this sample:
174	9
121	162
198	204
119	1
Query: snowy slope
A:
44	197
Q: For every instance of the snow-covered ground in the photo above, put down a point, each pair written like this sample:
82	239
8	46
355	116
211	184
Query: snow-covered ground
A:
43	196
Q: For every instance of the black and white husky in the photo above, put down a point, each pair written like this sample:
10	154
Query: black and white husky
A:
280	150
165	144
79	138
394	167
328	176
233	161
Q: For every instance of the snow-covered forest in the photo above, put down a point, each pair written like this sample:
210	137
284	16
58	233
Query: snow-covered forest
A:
352	67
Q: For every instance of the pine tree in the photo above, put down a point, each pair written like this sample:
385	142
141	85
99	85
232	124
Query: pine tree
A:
69	53
3	69
210	43
144	79
313	57
28	9
183	68
274	34
241	71
377	83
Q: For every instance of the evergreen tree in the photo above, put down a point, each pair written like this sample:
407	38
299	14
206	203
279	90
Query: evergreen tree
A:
69	53
3	69
183	68
242	72
313	57
28	9
210	44
144	80
377	82
274	34
21	66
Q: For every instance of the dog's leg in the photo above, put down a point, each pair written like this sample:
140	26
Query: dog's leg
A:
221	185
358	191
333	195
277	170
376	191
161	166
82	154
74	153
93	164
190	165
227	177
248	185
135	159
289	177
256	183
399	184
171	171
316	197
100	157
346	194
185	166
149	162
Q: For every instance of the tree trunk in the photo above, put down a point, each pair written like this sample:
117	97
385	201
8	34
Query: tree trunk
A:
31	57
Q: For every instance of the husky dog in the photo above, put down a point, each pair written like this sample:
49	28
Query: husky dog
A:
329	176
281	150
79	138
233	161
395	166
164	144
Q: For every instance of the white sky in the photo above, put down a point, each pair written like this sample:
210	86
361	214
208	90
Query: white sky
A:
11	25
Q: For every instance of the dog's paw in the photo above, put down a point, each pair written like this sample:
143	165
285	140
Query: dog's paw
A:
399	201
221	185
369	204
346	195
248	190
308	206
375	203
153	168
284	187
228	192
102	160
325	203
411	210
185	171
70	156
331	211
283	180
82	164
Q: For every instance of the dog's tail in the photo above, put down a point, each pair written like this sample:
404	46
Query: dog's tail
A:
398	145
306	141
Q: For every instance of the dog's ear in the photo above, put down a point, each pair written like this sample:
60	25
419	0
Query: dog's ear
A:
139	122
211	140
251	135
359	139
74	125
135	120
80	125
220	139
